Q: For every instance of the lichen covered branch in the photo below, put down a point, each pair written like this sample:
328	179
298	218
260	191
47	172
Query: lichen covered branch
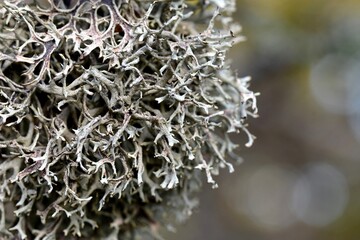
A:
109	110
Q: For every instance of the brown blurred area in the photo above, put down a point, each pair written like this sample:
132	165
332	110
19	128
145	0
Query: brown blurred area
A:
301	178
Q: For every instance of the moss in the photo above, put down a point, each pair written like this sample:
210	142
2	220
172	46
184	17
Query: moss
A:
110	111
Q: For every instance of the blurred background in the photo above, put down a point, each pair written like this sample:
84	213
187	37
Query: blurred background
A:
301	179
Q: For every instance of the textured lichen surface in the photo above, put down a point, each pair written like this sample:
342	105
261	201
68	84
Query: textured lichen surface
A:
110	112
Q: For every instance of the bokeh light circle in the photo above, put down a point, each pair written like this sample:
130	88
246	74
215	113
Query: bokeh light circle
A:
320	195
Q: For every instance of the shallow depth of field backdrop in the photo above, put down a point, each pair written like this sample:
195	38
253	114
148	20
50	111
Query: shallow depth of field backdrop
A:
301	179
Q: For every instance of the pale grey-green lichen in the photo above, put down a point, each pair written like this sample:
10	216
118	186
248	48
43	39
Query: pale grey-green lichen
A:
110	111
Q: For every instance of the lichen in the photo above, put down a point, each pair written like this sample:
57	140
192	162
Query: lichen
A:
111	110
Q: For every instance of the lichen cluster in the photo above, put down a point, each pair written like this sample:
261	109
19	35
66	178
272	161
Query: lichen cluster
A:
110	111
